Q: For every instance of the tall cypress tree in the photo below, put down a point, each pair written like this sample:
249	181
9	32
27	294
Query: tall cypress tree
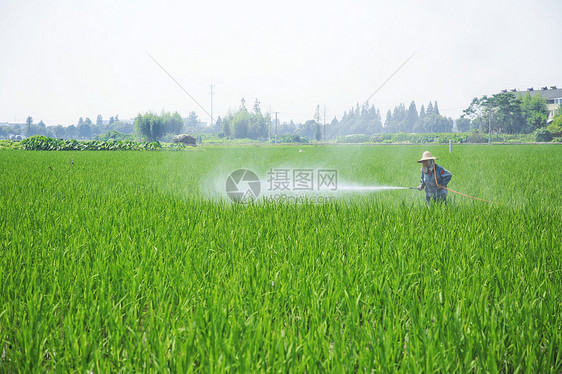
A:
429	110
412	117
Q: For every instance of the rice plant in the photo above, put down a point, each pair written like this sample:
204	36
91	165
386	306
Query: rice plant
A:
138	261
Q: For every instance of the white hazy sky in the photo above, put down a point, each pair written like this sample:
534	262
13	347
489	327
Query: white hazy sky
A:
61	60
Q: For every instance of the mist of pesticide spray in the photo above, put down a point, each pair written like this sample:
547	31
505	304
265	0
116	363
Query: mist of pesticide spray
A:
280	184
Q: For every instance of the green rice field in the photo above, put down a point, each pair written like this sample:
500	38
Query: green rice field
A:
138	261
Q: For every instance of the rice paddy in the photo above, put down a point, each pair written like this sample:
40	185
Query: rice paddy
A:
139	261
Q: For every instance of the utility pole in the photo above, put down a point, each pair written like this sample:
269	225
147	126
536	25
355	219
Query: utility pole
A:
490	124
325	124
276	126
212	86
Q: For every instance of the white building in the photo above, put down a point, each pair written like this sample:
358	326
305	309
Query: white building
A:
552	95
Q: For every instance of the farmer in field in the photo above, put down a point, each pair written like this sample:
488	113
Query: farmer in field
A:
433	178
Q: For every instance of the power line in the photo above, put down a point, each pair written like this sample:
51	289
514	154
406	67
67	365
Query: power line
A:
188	94
180	86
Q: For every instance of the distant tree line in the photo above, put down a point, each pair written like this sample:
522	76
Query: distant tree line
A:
83	129
246	124
163	127
365	119
506	112
357	120
148	126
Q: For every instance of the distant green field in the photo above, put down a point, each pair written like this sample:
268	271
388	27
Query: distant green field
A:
138	261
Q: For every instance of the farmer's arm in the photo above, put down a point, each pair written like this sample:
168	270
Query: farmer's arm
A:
422	183
444	176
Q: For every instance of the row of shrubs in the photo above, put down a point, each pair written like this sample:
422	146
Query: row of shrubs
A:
43	143
7	144
475	136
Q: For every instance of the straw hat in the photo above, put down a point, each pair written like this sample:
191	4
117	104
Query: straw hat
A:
427	156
